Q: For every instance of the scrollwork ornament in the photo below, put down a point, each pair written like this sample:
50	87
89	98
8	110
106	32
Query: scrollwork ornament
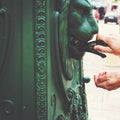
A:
7	109
40	45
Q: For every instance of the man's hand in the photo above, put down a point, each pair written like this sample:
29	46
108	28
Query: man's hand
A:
109	81
113	42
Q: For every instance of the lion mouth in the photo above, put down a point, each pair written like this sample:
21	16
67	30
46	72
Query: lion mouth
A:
76	47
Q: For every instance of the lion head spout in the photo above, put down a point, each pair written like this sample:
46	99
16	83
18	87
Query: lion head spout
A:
81	26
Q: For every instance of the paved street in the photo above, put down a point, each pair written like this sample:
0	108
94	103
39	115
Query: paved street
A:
102	104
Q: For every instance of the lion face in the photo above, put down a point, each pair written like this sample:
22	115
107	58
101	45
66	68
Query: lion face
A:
81	24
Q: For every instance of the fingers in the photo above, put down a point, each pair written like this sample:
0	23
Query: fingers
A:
102	49
107	86
101	77
113	42
102	81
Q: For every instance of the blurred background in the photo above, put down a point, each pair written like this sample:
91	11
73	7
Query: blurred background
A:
103	104
104	6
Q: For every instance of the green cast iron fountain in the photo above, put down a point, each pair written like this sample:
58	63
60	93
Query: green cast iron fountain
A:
41	71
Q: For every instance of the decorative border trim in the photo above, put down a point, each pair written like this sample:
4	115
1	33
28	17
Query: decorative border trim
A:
40	44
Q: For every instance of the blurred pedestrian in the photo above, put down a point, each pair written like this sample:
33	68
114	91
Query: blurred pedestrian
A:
96	14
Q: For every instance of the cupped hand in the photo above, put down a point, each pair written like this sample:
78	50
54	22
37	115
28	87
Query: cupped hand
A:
109	81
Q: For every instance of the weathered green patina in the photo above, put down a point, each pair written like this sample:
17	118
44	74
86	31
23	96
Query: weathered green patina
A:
42	44
82	26
75	26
